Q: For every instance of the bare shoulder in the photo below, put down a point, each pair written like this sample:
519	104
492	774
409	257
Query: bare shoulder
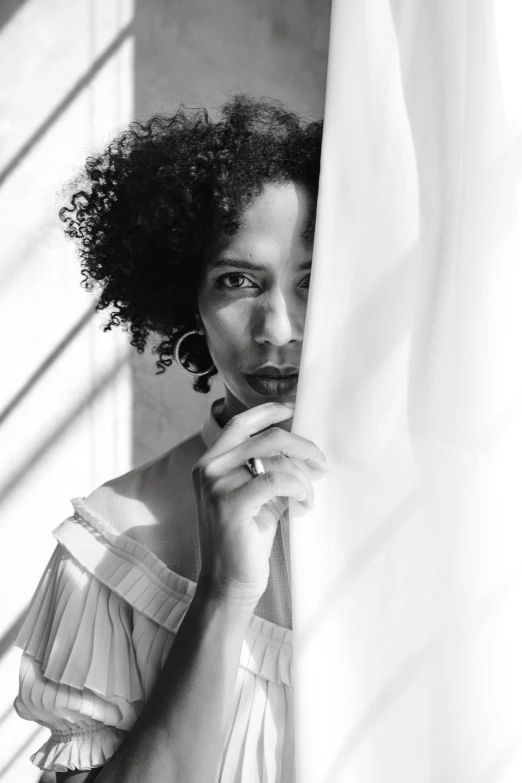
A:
154	505
186	454
161	477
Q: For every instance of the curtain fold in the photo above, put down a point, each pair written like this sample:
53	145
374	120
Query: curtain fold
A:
407	574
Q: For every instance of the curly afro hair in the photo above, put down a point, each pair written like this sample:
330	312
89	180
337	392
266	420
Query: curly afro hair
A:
153	200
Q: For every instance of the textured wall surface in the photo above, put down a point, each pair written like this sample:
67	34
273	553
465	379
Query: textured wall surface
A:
199	52
66	86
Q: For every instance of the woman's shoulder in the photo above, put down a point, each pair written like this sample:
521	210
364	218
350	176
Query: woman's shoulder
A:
153	505
145	490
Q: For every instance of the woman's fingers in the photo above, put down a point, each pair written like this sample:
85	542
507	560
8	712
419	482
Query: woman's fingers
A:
270	443
239	476
247	423
251	429
264	488
237	513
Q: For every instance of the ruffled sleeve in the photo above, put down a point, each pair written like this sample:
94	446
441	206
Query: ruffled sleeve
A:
78	673
96	636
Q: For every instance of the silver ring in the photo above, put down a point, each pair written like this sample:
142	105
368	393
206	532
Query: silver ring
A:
255	466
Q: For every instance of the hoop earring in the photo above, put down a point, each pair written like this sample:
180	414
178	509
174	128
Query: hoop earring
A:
178	361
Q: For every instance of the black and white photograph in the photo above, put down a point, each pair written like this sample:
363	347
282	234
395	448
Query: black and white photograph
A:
261	391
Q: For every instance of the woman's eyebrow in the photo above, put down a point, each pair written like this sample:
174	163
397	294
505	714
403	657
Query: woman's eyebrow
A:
240	264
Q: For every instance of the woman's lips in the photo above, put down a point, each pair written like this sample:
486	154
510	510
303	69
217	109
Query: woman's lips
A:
273	387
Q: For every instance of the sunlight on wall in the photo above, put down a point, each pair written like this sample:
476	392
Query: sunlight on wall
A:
66	86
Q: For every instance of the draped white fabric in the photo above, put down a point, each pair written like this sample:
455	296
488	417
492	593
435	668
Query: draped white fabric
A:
411	383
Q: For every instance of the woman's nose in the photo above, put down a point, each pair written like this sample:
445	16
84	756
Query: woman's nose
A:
278	321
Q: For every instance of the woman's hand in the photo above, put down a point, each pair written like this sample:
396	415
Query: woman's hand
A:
238	514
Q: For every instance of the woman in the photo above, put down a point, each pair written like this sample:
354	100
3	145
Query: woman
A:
157	645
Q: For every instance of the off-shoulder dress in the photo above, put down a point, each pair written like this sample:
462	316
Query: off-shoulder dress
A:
104	616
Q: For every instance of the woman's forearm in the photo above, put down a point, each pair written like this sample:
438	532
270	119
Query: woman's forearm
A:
180	734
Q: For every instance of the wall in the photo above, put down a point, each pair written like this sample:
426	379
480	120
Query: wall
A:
66	86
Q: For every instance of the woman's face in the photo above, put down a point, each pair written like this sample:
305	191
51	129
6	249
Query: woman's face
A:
253	295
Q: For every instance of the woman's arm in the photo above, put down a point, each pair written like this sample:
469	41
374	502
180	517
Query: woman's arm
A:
180	734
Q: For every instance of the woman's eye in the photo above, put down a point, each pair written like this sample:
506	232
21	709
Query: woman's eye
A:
237	276
220	280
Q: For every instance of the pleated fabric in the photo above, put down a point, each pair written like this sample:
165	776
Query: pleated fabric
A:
95	637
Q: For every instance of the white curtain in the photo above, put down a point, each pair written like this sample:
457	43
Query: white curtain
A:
407	574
